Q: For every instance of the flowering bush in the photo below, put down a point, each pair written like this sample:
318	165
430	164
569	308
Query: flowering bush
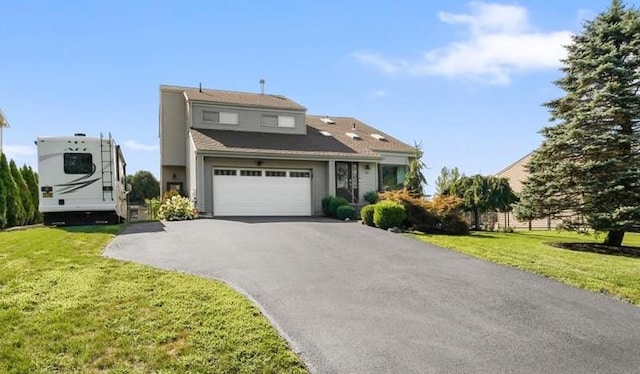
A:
177	208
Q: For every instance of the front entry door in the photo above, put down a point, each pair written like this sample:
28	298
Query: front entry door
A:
347	181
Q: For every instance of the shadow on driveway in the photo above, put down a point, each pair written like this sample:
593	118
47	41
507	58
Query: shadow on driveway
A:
277	219
143	227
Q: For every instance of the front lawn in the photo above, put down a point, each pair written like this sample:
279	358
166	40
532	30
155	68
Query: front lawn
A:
64	308
612	274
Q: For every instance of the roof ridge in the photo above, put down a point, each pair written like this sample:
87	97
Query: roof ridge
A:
219	90
514	163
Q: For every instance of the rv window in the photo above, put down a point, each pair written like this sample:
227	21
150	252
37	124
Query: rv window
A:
78	163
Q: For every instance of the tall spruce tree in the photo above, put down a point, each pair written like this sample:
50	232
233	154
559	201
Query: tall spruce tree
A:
589	162
32	183
23	191
15	212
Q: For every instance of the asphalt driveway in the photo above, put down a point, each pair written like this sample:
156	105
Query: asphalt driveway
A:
353	299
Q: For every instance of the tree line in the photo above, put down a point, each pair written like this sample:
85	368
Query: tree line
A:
18	195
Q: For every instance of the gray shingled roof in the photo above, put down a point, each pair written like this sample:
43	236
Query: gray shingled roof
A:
237	98
312	144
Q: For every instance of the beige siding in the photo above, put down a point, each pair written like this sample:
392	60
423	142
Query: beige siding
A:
368	179
172	136
248	119
394	159
318	182
516	174
191	185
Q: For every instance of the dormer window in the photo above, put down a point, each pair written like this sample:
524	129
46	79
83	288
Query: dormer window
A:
353	135
379	137
225	118
279	121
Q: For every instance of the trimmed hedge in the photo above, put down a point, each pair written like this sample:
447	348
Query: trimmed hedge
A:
334	204
325	204
366	213
388	214
371	197
346	211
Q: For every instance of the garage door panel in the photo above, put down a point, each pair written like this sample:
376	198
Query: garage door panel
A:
237	195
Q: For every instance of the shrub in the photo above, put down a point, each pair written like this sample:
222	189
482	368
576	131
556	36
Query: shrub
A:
176	208
334	204
371	197
325	204
346	211
417	209
366	213
387	214
455	224
169	194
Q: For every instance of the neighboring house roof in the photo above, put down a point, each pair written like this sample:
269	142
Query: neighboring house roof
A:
236	98
314	143
516	173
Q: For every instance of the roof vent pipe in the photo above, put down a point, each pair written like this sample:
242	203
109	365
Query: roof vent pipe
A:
354	126
262	86
200	87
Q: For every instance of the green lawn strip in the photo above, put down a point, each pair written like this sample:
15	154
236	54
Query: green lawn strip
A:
529	250
65	308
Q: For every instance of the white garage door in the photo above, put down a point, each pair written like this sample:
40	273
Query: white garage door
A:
261	192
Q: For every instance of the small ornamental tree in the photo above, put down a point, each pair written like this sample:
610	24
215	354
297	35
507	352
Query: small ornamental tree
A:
25	195
481	194
446	180
414	180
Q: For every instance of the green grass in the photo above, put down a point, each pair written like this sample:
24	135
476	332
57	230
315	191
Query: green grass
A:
615	275
64	308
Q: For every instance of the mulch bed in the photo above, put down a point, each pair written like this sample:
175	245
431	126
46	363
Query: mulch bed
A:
600	248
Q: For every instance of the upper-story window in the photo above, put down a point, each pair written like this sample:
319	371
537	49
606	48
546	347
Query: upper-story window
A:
226	118
279	121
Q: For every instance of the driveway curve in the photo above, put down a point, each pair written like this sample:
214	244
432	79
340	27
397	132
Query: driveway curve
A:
353	299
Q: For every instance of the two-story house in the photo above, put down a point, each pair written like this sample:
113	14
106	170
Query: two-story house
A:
255	154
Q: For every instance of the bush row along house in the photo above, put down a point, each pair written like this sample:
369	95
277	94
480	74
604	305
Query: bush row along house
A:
255	154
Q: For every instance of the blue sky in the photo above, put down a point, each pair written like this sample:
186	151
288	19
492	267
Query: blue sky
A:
467	79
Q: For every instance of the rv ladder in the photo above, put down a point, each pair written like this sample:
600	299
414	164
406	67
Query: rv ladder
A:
106	147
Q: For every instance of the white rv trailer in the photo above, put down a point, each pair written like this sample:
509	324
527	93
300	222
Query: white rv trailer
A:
82	180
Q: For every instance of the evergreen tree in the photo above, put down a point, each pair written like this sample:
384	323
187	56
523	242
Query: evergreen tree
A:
15	211
415	180
25	195
446	180
589	162
31	179
3	197
481	194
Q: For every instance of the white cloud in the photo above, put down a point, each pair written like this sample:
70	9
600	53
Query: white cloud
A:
379	62
378	93
501	42
133	145
18	151
21	154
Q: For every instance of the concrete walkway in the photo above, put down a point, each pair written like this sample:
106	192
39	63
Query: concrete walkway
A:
353	299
